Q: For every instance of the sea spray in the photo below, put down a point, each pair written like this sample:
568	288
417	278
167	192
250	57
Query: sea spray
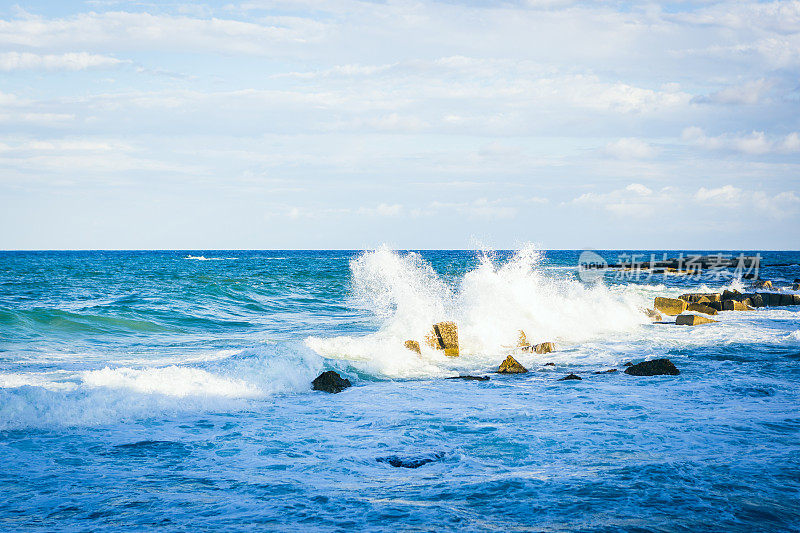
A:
490	303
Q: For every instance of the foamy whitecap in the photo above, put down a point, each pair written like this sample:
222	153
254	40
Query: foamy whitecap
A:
170	381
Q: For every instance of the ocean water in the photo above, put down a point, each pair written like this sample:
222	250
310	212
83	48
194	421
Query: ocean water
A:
171	390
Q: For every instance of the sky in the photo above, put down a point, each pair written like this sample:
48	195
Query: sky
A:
263	124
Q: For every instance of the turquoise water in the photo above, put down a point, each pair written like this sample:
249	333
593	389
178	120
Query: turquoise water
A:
171	390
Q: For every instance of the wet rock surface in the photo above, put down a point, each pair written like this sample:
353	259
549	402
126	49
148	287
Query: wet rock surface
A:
410	462
655	367
330	381
571	377
470	378
511	366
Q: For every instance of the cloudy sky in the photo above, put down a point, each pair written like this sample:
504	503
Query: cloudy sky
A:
420	124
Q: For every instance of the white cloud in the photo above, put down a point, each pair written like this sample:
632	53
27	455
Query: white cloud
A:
754	143
631	148
71	61
748	93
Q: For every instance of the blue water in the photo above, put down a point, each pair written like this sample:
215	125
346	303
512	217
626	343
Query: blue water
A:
171	390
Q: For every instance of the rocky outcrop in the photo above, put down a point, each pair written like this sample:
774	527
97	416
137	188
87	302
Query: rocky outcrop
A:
413	346
762	284
670	306
571	377
701	297
733	305
692	320
444	336
655	367
701	308
732	295
543	347
470	378
511	366
330	381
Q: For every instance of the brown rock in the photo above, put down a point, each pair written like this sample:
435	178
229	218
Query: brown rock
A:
731	295
701	297
733	305
652	314
444	337
609	371
692	320
700	308
413	346
670	306
787	299
511	366
522	341
756	300
571	377
762	284
544	347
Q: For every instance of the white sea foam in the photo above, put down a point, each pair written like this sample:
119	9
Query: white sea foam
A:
170	381
491	304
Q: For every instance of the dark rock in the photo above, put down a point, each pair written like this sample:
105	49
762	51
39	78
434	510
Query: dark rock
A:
655	367
511	366
628	364
570	377
470	378
549	364
609	371
330	381
409	462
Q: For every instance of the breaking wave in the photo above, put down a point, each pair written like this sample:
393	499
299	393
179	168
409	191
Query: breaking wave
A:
491	304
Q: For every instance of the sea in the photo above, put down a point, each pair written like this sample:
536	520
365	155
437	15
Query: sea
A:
171	390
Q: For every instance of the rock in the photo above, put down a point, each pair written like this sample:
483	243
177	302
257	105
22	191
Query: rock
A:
787	299
570	377
413	346
701	297
470	378
692	320
733	305
330	381
549	364
756	300
544	347
652	314
700	308
796	286
772	299
444	336
731	295
511	366
522	342
409	462
762	284
670	306
655	367
717	306
609	371
796	299
628	364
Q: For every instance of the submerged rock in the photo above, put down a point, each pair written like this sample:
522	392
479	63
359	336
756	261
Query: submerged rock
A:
511	366
655	367
652	314
762	284
571	377
692	320
409	462
549	364
413	346
670	306
330	381
609	371
470	378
